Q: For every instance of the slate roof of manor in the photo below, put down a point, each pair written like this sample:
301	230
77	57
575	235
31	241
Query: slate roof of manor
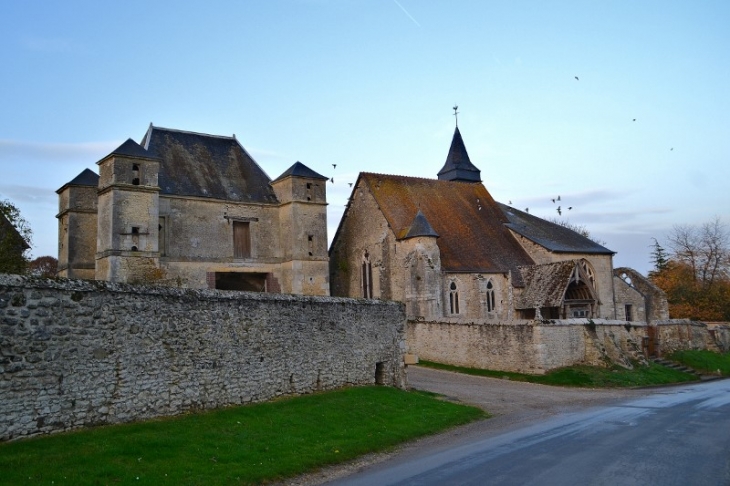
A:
210	166
471	226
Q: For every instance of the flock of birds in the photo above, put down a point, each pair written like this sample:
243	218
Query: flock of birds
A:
555	200
559	209
332	179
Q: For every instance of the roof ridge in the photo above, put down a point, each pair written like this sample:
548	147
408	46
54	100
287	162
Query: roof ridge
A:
189	132
415	177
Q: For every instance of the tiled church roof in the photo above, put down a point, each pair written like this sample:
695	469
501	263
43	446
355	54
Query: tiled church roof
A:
470	224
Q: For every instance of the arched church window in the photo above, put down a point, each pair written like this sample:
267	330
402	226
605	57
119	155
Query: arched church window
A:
491	301
367	276
453	298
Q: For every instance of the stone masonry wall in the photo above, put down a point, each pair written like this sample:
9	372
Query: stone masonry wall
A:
77	353
683	334
527	346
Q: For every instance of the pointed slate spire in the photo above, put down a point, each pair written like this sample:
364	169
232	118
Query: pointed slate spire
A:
458	167
420	227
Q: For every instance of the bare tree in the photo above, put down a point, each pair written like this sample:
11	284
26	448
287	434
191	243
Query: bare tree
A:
705	249
43	266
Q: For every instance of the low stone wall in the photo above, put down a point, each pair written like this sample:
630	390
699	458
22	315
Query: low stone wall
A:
682	334
527	346
76	353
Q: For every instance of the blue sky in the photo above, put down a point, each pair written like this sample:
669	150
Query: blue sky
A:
369	85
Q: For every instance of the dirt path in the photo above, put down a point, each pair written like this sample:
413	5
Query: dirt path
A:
511	404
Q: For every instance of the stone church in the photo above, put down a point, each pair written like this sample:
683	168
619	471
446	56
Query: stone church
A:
195	210
450	252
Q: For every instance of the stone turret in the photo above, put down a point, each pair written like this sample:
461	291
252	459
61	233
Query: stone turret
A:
128	215
302	195
77	226
423	269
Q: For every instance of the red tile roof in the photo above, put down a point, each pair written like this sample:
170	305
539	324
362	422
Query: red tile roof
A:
471	226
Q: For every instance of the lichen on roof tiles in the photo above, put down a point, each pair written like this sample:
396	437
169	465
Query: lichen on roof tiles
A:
470	225
210	166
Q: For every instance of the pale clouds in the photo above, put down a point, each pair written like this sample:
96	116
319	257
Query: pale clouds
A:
87	152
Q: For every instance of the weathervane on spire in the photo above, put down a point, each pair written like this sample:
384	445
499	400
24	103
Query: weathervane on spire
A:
456	113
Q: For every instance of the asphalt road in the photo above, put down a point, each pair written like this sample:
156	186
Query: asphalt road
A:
669	436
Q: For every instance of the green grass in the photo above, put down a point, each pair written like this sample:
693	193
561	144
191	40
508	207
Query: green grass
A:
239	445
703	361
584	376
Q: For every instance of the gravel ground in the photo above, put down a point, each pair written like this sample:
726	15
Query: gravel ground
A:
511	404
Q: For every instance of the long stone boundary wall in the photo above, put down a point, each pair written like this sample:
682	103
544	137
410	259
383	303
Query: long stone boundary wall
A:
539	346
77	353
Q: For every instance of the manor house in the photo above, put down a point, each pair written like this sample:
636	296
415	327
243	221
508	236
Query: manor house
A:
449	251
195	210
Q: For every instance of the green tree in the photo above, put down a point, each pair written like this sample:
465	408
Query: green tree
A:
15	239
659	257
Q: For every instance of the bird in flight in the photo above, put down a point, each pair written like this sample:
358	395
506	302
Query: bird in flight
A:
634	119
350	184
570	207
671	148
560	212
553	200
332	180
576	78
527	210
558	198
334	166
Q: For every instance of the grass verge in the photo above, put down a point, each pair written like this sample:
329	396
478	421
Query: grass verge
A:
703	361
584	376
239	445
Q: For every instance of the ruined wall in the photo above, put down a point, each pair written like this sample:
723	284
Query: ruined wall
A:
526	346
656	306
628	295
76	353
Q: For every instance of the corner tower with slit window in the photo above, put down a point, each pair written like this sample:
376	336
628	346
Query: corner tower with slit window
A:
195	210
451	253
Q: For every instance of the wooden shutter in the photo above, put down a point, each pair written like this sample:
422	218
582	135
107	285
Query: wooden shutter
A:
241	240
